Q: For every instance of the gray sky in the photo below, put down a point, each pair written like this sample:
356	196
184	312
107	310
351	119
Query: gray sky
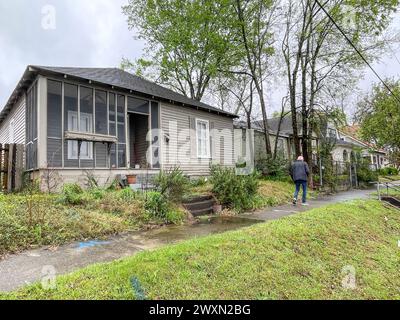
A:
91	34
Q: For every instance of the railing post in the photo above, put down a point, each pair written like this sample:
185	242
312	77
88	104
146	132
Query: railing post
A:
379	191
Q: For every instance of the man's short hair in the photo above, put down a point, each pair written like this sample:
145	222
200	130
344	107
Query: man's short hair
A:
300	158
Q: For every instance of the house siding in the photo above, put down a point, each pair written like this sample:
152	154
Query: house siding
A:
18	115
181	150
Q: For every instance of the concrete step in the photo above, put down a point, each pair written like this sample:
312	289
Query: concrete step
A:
392	200
201	205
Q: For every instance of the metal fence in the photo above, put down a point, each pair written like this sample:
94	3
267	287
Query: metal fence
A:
11	167
333	175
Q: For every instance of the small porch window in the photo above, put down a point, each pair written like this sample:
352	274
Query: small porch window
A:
85	126
203	138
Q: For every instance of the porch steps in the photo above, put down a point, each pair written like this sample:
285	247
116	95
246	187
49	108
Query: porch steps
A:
393	201
199	206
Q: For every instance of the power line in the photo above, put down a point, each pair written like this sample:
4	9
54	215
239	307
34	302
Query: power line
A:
358	51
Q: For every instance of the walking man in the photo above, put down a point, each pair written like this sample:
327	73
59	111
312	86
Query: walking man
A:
299	172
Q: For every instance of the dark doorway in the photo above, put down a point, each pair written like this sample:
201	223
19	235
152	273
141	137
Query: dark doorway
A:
138	128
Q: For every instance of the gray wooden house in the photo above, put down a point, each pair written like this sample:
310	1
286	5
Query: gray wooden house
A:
108	121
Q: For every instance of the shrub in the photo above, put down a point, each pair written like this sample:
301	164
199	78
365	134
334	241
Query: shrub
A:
157	205
172	184
389	171
72	194
234	191
199	182
276	169
365	174
126	194
96	193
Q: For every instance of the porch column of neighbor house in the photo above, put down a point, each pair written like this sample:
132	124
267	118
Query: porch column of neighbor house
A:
42	122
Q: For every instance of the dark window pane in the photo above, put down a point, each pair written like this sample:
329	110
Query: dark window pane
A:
101	155
121	119
70	105
113	156
54	109
54	153
138	105
111	115
155	134
86	116
101	112
121	156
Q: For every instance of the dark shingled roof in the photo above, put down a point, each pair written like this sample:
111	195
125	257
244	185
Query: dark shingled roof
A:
118	78
286	125
122	79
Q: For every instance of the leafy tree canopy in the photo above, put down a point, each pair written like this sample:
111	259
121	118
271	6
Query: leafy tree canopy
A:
188	41
379	115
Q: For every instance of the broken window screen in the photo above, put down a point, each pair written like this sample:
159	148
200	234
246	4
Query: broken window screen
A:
138	105
101	112
54	123
111	115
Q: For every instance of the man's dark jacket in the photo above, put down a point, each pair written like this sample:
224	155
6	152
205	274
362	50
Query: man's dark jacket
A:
299	171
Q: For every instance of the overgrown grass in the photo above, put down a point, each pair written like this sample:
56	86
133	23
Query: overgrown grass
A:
389	178
299	257
33	220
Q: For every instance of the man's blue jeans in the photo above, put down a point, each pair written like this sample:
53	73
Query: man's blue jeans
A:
303	184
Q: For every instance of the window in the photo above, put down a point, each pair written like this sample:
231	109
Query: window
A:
281	146
11	131
203	138
332	133
101	112
345	156
85	126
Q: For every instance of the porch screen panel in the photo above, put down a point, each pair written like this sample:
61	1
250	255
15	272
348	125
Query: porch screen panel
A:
101	155
112	131
112	115
86	125
70	124
31	128
138	105
155	135
121	133
101	112
54	124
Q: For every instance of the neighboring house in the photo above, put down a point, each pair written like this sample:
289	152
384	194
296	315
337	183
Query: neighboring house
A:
376	157
285	144
111	122
346	147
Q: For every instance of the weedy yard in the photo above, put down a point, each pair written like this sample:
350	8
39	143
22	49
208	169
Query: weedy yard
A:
307	256
32	219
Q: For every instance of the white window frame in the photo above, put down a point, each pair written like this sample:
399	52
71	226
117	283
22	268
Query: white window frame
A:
208	151
73	145
11	132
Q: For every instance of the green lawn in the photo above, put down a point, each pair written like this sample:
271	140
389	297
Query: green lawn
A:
298	257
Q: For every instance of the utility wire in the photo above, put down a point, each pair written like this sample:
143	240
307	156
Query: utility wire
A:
358	51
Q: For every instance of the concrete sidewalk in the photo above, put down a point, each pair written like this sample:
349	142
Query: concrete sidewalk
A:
30	266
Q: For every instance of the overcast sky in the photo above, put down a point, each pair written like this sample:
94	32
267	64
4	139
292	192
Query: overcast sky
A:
86	33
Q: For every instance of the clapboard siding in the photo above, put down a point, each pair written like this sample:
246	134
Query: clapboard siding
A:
18	115
181	149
